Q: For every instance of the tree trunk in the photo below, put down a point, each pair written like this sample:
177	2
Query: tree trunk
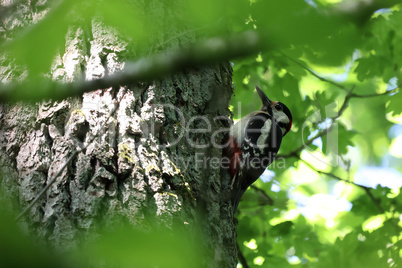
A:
152	163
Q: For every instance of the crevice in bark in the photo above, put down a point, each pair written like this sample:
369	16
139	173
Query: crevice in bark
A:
168	180
103	59
94	164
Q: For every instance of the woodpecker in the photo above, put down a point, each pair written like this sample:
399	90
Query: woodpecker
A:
254	142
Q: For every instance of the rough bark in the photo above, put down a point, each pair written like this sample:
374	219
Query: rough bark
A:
135	169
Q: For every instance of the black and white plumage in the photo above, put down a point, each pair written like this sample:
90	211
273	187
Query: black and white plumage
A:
254	142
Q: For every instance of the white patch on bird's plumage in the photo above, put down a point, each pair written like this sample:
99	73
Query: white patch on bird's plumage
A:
238	130
246	141
265	130
281	117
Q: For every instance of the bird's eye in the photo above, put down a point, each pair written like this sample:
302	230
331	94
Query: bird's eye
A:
278	107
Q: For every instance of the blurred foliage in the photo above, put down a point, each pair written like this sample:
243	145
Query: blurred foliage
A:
19	250
130	247
118	246
334	64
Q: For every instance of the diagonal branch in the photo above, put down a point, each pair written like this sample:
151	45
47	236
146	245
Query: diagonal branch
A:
332	175
313	73
389	92
368	190
241	257
348	97
365	188
269	200
338	85
295	153
52	180
200	53
210	51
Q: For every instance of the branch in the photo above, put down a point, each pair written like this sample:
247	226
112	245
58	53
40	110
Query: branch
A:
210	51
365	188
395	90
313	73
270	201
338	85
201	53
58	173
375	201
241	257
52	180
332	175
349	96
295	153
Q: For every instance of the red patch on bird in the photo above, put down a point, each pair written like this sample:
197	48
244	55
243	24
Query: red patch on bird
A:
234	154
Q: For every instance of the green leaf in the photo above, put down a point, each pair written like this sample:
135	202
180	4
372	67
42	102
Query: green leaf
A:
394	105
281	229
338	140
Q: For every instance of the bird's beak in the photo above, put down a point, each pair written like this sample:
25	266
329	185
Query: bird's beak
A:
265	100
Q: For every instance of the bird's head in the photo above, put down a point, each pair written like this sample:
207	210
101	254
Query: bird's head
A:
280	112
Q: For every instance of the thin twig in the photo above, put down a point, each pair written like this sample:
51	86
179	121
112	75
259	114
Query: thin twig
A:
312	72
270	201
374	200
52	180
296	152
345	104
340	86
331	175
320	134
368	190
395	90
75	153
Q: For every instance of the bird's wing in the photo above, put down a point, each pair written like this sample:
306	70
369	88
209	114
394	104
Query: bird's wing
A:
259	148
263	136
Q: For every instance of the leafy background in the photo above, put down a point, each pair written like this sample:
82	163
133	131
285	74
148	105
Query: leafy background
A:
336	201
332	198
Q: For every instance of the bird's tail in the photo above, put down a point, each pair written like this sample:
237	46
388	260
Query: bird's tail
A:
237	192
236	199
